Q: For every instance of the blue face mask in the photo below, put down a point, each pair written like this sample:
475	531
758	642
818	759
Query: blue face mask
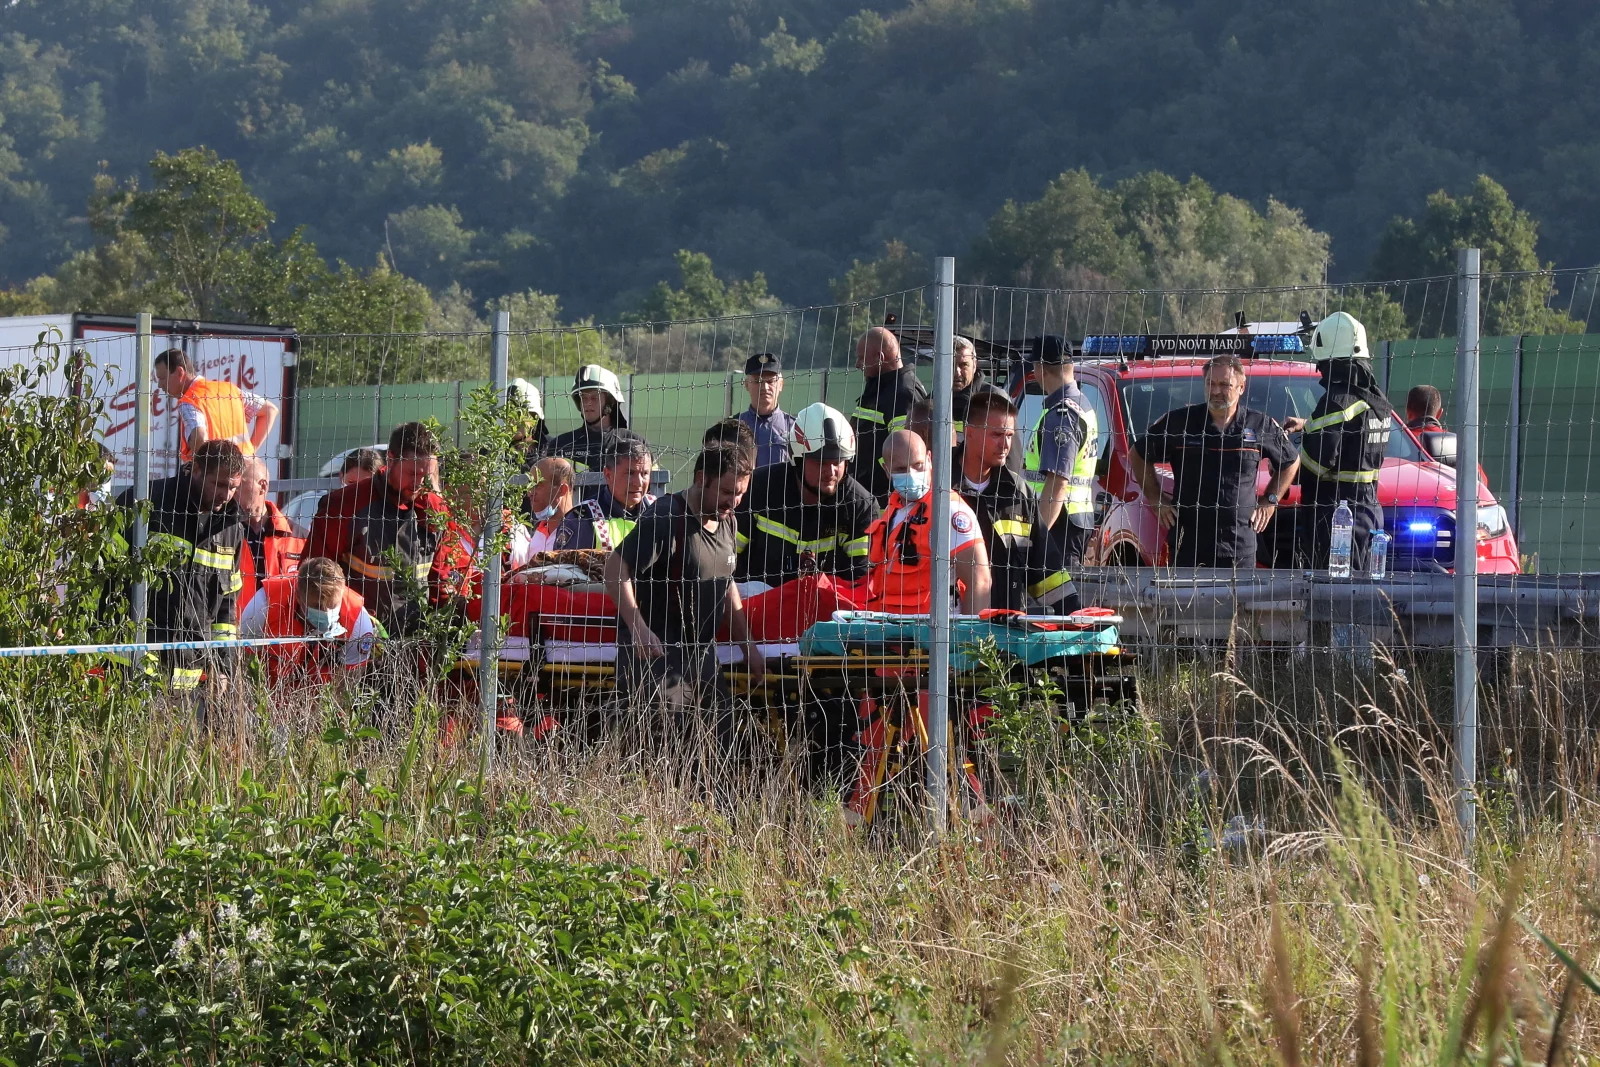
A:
321	621
911	485
546	513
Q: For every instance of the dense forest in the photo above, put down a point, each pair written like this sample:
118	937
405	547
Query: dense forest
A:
612	151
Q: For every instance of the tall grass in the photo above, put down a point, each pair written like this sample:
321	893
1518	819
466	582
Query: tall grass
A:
1118	912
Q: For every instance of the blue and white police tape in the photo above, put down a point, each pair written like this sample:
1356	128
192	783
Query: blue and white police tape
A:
137	647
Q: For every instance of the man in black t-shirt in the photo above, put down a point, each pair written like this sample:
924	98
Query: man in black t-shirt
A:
1215	450
672	581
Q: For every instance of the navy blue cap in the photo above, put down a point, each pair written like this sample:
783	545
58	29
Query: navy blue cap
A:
763	363
1049	349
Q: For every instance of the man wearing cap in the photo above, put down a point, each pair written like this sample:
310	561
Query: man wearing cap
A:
886	400
763	380
1063	450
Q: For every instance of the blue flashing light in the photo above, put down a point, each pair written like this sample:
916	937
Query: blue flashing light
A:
1115	344
1271	344
1421	527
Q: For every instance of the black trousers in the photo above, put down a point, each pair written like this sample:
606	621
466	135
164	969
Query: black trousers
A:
1074	540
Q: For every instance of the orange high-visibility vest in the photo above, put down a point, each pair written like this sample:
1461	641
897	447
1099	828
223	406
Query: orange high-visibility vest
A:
281	551
304	663
223	409
901	575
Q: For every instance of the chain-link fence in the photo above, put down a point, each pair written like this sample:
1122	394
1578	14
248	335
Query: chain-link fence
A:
1146	512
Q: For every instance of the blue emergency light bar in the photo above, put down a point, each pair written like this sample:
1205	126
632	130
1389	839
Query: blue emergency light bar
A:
1156	345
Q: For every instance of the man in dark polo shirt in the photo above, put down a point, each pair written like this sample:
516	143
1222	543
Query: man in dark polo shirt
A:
672	581
1215	450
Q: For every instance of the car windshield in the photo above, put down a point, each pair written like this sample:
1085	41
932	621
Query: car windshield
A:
1282	396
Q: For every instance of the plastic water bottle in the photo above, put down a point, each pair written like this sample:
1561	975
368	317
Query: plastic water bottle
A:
1339	541
1380	555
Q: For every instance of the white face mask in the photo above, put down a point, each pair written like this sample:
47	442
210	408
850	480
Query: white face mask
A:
912	485
322	621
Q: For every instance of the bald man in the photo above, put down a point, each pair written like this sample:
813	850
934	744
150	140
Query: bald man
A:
900	542
271	547
886	401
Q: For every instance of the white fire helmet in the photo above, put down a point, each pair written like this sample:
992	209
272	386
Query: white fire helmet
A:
821	431
525	394
594	376
1340	336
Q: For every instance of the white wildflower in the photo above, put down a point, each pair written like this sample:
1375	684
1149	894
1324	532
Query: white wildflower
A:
260	936
228	914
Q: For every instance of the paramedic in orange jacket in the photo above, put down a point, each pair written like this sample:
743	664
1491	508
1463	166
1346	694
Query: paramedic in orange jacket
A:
271	548
900	545
212	411
314	602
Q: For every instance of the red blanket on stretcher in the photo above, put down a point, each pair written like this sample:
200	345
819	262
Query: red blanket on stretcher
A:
777	616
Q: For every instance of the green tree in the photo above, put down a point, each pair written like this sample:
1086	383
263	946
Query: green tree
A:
199	223
542	344
1508	237
703	295
196	246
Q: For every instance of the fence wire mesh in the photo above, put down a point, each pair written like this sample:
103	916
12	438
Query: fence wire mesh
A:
1240	653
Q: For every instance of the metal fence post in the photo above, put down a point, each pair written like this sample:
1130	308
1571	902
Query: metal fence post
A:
489	616
939	616
1466	577
1514	462
143	371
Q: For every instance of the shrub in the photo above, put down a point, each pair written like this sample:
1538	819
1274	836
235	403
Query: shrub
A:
336	938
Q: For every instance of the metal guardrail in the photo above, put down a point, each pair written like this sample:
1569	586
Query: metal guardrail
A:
1296	607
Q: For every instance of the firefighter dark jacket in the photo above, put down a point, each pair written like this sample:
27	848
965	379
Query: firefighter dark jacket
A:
1024	560
1347	436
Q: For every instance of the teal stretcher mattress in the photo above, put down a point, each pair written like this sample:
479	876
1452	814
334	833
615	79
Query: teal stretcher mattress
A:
872	632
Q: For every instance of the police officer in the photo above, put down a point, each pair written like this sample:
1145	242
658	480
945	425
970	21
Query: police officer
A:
1026	568
603	522
891	388
1063	450
763	380
1346	440
807	513
1215	450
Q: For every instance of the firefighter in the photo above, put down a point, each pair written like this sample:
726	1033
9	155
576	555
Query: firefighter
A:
1026	568
212	410
395	512
1063	450
891	388
1345	440
966	381
597	394
195	535
271	547
313	602
1215	450
807	515
526	407
900	542
604	521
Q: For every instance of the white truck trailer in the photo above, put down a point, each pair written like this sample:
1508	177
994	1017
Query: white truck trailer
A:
99	355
